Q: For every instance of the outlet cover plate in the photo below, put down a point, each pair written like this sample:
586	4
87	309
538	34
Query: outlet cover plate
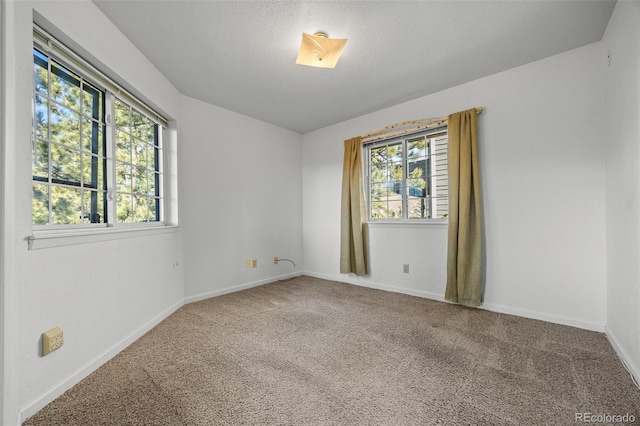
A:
52	340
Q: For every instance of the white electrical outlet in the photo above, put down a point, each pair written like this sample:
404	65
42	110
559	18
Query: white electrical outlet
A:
248	262
52	340
405	268
254	263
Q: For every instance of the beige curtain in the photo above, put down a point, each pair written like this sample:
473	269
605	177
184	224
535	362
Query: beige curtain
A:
353	250
464	256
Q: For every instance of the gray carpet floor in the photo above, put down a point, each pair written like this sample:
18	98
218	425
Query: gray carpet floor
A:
315	352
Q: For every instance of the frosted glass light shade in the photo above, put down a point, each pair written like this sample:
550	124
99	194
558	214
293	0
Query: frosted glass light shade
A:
319	51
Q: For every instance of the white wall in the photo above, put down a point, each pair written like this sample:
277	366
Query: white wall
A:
542	171
542	153
3	323
622	135
241	197
103	294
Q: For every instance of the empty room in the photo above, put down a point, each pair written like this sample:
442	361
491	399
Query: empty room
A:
319	213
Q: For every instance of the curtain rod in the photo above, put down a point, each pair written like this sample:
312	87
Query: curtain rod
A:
416	125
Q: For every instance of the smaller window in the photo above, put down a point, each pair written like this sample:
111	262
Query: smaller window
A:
407	178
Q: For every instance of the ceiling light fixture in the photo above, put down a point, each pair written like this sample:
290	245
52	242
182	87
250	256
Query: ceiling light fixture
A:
320	51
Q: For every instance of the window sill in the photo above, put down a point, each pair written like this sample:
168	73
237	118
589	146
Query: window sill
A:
433	224
53	238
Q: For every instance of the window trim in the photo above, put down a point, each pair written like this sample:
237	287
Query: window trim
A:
57	238
433	222
409	223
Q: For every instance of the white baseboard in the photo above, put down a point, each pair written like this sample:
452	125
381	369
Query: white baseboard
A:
36	405
543	316
350	279
631	364
233	289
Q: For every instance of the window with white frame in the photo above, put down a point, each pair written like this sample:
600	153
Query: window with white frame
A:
407	177
96	150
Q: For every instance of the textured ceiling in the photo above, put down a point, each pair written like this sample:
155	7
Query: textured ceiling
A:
240	55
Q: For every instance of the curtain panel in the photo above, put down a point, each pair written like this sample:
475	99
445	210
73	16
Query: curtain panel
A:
353	245
465	252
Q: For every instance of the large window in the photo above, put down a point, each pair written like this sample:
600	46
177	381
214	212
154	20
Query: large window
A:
407	178
97	156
